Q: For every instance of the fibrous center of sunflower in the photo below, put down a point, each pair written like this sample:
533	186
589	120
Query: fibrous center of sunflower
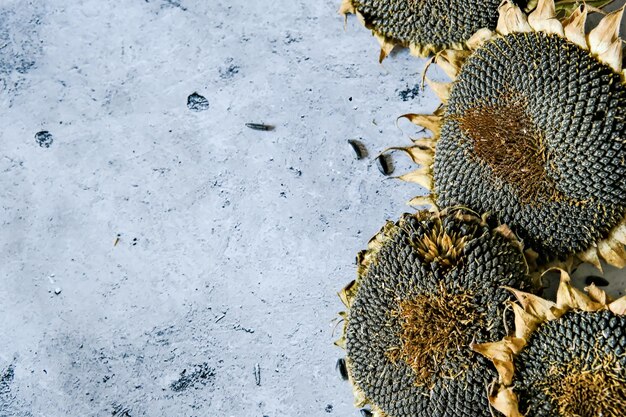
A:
504	137
432	329
598	392
440	246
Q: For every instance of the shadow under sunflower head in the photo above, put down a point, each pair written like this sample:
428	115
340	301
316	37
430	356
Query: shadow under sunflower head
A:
430	26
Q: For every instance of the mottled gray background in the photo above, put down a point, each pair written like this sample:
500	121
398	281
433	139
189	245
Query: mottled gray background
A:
232	242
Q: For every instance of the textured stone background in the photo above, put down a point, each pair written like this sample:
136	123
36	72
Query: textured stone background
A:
232	242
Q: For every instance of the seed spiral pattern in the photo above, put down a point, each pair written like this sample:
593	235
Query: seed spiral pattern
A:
574	105
575	365
440	23
401	271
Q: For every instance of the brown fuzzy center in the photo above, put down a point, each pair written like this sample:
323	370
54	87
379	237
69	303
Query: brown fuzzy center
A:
440	246
599	392
434	327
504	137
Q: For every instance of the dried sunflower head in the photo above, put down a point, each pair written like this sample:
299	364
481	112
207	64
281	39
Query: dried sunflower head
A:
566	359
430	26
427	287
532	130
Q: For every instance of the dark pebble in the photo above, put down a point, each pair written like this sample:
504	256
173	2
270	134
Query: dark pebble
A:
44	138
196	102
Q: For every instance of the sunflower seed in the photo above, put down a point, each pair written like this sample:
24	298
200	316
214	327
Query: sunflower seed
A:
359	149
596	280
385	164
259	126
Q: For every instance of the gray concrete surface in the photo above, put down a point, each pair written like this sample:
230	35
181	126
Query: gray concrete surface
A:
232	242
162	260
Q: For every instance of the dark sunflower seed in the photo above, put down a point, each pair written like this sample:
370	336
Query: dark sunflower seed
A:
341	368
196	102
259	126
359	149
385	164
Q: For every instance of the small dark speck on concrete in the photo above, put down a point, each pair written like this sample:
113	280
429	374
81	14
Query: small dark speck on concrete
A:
229	72
259	126
24	66
120	411
291	38
329	408
409	93
239	327
196	102
341	368
6	378
257	374
171	3
44	138
200	375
